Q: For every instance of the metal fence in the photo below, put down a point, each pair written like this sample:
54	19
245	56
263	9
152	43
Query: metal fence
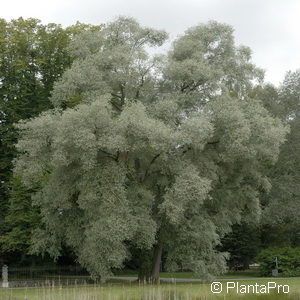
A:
45	276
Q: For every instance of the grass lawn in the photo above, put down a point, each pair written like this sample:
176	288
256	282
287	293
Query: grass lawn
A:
231	274
127	291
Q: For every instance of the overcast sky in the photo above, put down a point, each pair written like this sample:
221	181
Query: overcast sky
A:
271	28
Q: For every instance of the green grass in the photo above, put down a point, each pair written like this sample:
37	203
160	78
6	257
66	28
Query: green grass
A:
184	291
231	274
241	274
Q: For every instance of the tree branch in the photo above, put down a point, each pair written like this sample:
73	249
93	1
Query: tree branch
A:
213	143
109	154
115	105
150	164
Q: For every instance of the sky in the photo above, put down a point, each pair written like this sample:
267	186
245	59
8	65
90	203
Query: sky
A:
271	28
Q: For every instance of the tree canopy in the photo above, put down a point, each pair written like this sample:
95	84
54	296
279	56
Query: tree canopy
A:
160	152
283	202
32	57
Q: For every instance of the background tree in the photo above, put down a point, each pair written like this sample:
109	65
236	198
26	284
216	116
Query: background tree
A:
243	244
281	216
162	153
20	220
32	57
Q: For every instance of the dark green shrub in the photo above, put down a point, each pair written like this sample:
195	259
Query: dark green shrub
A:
288	261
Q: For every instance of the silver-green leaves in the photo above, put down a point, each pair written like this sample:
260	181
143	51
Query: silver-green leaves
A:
144	151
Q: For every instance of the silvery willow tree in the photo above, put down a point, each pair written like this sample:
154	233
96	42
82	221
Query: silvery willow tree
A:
153	152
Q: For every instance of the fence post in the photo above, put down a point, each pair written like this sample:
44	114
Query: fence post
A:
5	276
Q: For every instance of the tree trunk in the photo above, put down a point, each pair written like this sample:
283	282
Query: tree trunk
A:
156	263
145	264
246	263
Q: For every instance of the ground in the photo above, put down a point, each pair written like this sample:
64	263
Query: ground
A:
124	290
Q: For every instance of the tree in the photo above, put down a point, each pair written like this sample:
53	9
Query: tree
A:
32	57
243	244
20	219
159	152
281	214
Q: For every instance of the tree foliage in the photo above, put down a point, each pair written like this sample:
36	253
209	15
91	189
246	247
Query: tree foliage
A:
281	213
287	260
243	244
164	152
32	57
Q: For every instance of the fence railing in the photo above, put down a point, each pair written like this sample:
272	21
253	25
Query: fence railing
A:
43	275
